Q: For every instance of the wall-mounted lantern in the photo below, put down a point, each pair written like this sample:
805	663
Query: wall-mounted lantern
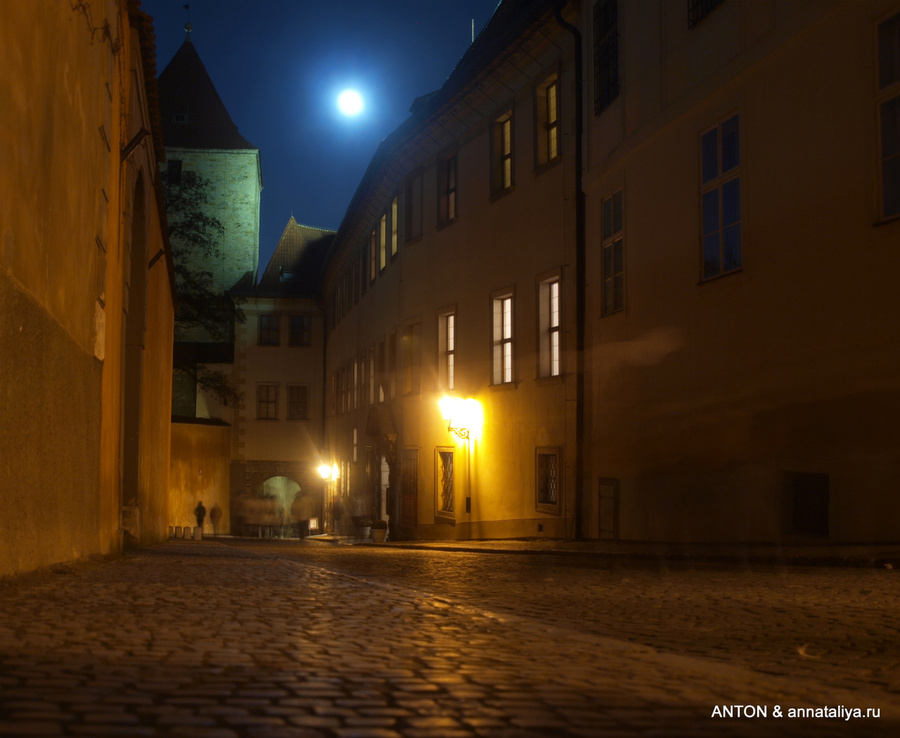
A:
462	417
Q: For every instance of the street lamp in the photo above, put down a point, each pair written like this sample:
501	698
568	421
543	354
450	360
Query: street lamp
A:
461	416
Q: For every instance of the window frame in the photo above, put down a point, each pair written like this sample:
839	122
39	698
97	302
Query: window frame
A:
888	94
722	184
503	149
547	121
296	409
612	240
607	69
268	401
444	503
503	338
300	336
447	348
272	332
552	507
448	188
550	333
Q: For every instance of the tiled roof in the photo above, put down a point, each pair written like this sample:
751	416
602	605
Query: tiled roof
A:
193	114
293	270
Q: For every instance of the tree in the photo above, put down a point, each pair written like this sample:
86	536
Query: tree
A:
205	314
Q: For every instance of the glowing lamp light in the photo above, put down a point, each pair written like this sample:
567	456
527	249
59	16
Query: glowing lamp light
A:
329	473
461	416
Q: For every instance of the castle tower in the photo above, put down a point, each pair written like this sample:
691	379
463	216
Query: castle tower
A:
201	138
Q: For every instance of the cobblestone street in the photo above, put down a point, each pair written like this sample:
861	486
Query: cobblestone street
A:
206	639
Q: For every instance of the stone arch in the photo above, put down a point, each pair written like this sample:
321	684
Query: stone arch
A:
254	495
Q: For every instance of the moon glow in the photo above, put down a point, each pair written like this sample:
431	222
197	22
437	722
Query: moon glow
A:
350	103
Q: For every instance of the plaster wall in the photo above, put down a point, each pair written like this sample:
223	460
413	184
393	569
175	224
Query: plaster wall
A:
496	244
705	395
199	472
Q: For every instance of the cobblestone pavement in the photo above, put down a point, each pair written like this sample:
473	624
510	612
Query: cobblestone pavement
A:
836	626
202	639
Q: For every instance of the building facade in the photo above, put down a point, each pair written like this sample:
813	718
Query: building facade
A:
647	251
86	285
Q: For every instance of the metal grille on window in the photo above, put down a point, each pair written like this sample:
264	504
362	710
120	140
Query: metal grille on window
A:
548	479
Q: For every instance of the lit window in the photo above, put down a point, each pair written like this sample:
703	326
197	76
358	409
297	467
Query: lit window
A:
268	330
267	401
447	350
613	246
503	339
606	54
549	324
298	402
502	164
720	199
382	242
447	170
889	114
395	212
547	128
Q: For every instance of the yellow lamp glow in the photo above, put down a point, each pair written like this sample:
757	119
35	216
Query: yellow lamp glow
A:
463	417
324	471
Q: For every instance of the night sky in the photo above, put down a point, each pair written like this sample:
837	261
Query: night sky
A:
279	66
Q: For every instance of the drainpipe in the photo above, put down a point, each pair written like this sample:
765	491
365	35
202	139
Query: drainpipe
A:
580	268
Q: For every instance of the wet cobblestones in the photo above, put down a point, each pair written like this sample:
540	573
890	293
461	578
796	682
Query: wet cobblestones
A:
199	639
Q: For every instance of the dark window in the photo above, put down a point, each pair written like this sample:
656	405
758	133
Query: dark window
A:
298	402
267	401
699	9
889	113
720	199
606	54
613	254
547	478
268	330
300	330
447	189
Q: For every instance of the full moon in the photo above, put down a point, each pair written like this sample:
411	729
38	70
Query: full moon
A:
350	102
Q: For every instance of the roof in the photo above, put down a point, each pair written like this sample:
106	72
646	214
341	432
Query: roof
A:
193	114
294	267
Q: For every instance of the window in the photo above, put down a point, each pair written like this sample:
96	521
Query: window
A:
547	128
889	114
267	401
548	298
502	159
606	54
720	199
382	242
300	331
411	355
392	365
613	257
547	479
373	377
268	330
373	258
503	339
173	171
444	492
447	189
413	204
699	9
447	350
395	212
298	402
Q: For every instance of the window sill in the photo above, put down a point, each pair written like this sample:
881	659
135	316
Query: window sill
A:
547	165
716	277
886	221
500	194
447	223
